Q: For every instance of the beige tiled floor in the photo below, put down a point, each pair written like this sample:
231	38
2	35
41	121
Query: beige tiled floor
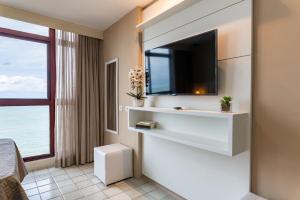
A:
80	183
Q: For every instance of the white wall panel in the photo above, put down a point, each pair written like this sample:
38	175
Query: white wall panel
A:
199	10
192	173
196	174
234	80
233	24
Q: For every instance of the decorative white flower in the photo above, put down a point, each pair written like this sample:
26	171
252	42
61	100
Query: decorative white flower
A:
136	79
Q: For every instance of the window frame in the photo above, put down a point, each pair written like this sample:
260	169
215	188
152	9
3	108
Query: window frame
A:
51	83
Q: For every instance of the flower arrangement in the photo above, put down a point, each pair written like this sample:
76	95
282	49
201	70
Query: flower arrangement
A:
136	78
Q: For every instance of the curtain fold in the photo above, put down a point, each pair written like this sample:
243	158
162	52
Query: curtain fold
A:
79	99
66	98
90	75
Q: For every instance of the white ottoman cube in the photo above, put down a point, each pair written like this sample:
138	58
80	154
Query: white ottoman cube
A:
112	163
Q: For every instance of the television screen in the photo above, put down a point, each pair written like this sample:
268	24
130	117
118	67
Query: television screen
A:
185	67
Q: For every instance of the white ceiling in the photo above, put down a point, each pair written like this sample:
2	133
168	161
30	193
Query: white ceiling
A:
97	14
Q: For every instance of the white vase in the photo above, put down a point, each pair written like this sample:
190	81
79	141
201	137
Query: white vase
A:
138	102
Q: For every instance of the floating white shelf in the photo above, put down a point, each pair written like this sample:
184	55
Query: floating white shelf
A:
190	140
219	132
200	113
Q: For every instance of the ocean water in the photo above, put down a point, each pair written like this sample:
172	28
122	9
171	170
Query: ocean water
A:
28	126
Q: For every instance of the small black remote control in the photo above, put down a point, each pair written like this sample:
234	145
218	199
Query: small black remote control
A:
178	108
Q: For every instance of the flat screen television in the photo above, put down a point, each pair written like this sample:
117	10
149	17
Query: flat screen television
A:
185	67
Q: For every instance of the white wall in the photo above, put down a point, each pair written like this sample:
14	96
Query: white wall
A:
122	42
192	173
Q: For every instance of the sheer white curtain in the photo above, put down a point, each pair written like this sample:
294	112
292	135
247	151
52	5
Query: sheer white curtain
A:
79	98
66	127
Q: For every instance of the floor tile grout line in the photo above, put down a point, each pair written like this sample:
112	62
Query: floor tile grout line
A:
134	184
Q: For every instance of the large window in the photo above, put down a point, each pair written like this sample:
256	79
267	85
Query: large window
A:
27	87
23	75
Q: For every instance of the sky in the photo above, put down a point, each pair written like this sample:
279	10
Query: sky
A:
23	64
